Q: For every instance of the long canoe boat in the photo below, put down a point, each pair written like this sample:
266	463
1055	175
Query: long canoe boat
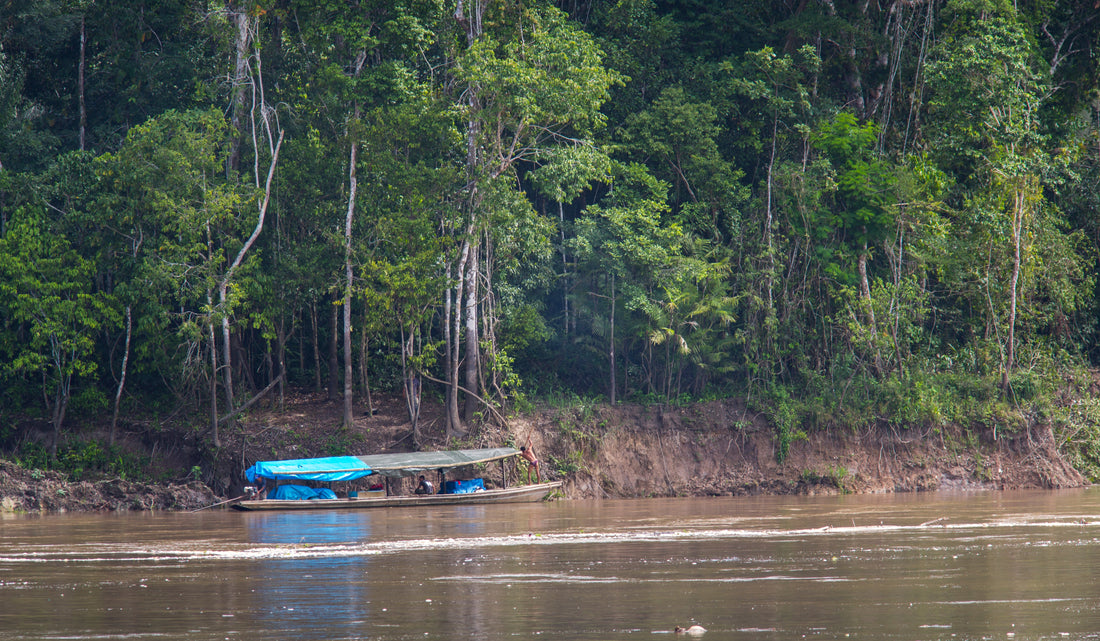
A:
519	494
281	479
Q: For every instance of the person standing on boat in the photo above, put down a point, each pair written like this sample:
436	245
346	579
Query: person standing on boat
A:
425	486
528	454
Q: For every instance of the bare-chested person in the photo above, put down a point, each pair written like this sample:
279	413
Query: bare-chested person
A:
528	455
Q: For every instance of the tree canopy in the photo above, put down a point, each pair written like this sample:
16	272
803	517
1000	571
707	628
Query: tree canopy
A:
843	206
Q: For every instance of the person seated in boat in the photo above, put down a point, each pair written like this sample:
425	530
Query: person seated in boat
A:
528	454
424	486
260	491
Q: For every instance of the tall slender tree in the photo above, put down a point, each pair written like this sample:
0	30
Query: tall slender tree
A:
532	83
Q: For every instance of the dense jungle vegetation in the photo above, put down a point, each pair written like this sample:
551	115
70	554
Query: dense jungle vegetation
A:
853	214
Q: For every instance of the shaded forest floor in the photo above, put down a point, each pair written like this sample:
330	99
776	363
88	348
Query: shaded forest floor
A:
628	451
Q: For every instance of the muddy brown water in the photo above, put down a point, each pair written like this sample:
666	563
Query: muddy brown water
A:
999	565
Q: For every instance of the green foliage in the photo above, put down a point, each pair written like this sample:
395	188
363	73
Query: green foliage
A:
577	426
343	442
679	137
986	92
787	417
550	75
87	460
863	183
569	464
833	476
24	139
51	310
853	224
1077	430
33	456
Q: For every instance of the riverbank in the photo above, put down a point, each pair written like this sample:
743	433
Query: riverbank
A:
718	448
627	451
23	490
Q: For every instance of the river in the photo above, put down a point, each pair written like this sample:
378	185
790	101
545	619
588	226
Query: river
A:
953	566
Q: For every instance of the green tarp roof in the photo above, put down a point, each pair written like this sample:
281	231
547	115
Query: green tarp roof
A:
412	463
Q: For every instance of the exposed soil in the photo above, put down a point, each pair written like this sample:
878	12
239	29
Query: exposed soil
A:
628	451
719	449
24	490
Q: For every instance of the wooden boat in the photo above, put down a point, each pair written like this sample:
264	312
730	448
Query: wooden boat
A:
518	494
276	475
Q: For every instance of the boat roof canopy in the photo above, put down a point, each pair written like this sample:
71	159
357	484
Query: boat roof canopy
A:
349	468
332	468
412	463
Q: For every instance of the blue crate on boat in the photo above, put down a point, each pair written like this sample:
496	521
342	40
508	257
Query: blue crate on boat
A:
464	487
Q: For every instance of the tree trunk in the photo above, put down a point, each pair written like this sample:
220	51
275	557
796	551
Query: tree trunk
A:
227	363
269	365
240	82
564	272
80	94
454	420
450	341
280	360
869	311
223	286
470	22
60	405
315	335
1019	203
468	14
364	372
333	354
122	377
473	349
411	384
300	335
349	379
644	383
487	316
242	72
611	350
242	357
213	374
897	264
768	222
668	369
854	80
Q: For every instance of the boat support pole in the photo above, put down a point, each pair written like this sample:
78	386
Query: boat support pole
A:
217	504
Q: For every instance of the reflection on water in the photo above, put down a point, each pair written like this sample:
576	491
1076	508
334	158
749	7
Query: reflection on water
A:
308	528
930	566
311	593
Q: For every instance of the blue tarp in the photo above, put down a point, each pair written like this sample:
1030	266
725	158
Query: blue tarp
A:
301	493
464	487
333	468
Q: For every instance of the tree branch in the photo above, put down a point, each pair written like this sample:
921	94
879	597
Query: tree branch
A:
252	400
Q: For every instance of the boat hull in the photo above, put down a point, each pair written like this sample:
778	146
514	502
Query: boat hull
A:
521	494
